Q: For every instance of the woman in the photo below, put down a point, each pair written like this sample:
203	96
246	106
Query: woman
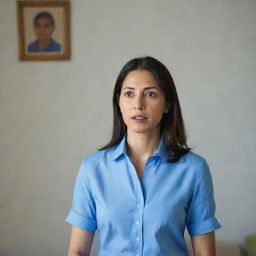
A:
145	186
44	27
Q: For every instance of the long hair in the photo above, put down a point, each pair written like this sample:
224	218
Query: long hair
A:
172	126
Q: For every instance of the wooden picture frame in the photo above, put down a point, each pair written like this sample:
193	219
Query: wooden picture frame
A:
43	30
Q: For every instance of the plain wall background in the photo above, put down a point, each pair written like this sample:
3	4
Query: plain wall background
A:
54	113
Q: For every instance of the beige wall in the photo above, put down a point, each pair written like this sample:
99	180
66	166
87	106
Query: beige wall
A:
54	113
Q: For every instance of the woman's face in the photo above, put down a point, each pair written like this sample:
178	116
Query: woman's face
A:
142	102
44	28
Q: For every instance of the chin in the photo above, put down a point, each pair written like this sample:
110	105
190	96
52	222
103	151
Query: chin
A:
146	129
141	131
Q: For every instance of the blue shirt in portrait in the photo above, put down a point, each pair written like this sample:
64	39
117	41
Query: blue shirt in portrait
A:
53	46
146	217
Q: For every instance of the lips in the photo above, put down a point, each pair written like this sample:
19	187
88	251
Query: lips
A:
139	117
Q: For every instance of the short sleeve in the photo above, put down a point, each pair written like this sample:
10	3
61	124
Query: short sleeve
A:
83	212
200	217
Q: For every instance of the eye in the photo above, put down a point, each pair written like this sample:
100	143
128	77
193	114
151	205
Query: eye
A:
151	94
128	94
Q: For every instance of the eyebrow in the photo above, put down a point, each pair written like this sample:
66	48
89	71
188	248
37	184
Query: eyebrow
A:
146	88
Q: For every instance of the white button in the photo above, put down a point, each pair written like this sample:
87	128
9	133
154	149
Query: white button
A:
138	205
138	238
137	222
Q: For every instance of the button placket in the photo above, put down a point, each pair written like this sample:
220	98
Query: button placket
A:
139	194
138	227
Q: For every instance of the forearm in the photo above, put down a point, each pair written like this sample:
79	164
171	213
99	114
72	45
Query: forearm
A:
78	254
205	254
204	245
80	242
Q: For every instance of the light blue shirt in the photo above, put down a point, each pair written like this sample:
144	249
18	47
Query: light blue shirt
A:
146	218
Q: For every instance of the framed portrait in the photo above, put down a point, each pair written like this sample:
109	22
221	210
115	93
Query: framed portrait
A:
44	30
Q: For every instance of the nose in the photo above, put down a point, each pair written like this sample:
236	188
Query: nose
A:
138	102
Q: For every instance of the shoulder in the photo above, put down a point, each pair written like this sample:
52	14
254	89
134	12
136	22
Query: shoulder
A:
32	46
56	46
196	163
193	158
55	42
93	160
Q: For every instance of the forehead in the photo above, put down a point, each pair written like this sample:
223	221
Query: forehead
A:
43	20
140	78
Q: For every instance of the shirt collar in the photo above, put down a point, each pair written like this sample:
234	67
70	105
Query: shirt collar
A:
120	149
161	150
46	48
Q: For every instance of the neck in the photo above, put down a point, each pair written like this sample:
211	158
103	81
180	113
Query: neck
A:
142	145
43	43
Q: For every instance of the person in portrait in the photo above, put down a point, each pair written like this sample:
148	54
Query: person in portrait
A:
146	185
44	26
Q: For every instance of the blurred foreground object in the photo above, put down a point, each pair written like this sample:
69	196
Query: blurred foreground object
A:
250	243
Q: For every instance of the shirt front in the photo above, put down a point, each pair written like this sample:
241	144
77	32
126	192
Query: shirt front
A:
53	46
146	218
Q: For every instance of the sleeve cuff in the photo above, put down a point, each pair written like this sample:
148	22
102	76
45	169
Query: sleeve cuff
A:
203	227
80	221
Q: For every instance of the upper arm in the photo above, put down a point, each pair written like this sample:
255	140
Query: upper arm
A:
83	211
200	217
82	215
204	244
80	241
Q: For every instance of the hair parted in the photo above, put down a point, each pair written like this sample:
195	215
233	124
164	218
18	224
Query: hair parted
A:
172	125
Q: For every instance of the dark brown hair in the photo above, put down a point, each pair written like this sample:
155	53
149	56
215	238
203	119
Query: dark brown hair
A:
46	15
172	125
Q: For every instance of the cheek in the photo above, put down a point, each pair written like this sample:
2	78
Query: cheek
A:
158	112
125	105
125	113
48	32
